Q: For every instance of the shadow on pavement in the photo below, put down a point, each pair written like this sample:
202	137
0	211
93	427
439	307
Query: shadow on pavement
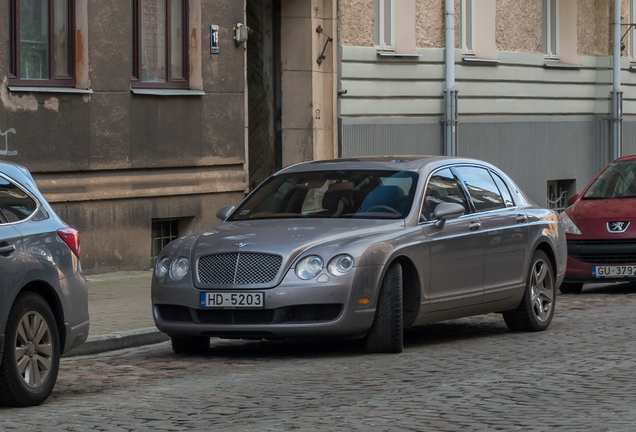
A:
612	289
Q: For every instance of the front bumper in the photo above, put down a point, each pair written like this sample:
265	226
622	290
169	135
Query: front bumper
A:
354	319
581	272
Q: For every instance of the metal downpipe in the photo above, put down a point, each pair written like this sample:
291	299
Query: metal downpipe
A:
450	94
617	94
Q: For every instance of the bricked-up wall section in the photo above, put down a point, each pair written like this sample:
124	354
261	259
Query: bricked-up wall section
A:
153	16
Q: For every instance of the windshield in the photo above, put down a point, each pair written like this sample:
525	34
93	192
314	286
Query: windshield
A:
332	194
617	181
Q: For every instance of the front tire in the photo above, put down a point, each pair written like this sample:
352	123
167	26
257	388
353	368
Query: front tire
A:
537	306
190	345
571	288
31	353
387	331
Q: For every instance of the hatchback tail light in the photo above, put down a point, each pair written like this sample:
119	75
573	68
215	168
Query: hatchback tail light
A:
71	238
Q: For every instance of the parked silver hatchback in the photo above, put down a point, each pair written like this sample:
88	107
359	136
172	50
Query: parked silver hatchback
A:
43	293
364	248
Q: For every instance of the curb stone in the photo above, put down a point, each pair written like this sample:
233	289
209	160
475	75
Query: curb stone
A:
116	341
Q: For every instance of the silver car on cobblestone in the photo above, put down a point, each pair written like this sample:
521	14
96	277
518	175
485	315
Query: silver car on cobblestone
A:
43	293
363	248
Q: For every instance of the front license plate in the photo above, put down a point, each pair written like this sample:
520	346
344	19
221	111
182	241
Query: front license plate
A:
613	271
233	300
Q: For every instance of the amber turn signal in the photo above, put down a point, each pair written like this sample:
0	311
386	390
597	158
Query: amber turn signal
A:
363	300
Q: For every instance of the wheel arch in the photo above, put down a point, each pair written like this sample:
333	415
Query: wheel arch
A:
545	247
50	296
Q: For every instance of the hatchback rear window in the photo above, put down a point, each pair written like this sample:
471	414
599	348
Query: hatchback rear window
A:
15	204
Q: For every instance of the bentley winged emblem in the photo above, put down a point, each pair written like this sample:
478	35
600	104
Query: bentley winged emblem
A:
617	227
242	245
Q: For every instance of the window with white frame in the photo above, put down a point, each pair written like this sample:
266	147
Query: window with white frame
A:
385	25
468	26
551	29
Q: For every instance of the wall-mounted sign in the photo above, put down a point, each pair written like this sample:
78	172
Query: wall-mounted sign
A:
214	39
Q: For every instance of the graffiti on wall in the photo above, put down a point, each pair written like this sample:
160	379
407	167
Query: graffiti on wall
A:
6	151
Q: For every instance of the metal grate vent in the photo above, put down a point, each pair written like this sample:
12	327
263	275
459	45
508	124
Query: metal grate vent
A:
239	268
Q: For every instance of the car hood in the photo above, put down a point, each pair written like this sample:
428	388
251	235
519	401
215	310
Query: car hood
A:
286	236
610	209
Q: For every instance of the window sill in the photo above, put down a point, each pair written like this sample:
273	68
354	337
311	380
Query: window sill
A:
68	90
393	54
480	62
166	92
558	65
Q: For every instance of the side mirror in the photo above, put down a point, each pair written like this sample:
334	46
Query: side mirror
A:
225	213
573	199
446	211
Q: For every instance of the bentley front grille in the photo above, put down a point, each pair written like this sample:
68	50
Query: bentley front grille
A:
239	268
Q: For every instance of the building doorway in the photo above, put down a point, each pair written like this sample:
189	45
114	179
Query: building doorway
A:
264	89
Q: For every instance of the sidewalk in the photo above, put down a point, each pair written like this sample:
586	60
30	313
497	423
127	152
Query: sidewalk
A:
120	312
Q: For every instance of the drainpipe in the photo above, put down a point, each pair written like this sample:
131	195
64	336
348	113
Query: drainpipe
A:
617	94
450	94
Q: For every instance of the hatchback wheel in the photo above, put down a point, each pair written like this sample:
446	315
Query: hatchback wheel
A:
190	345
537	306
571	288
387	332
31	353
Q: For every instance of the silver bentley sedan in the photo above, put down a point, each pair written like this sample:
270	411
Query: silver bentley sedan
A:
363	248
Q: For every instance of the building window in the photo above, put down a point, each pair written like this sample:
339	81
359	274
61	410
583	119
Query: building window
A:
163	232
551	9
160	43
632	31
468	26
42	43
385	25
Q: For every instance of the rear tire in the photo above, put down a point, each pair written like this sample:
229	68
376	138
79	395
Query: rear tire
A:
31	353
190	345
387	331
571	288
537	306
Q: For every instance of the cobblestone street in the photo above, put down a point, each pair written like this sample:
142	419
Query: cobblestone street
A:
469	374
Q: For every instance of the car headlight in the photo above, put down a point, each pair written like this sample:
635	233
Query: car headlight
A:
179	268
570	227
163	265
309	267
340	265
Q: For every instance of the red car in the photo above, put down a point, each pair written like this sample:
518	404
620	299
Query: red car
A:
600	227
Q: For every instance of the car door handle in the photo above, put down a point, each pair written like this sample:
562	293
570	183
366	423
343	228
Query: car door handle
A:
522	219
7	249
474	226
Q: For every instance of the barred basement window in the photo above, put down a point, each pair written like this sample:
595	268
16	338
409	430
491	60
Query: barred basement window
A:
163	232
159	43
42	43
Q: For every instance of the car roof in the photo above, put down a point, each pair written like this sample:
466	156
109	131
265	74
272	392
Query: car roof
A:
626	158
391	163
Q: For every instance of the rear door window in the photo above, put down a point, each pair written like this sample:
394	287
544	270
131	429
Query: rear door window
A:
443	187
482	188
503	188
15	204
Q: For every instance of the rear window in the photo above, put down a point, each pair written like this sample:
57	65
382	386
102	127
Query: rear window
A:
15	204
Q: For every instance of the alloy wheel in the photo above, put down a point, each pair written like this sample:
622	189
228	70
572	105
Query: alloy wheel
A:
542	291
33	349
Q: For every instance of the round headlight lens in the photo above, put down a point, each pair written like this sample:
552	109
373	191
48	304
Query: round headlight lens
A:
179	268
163	265
309	267
340	265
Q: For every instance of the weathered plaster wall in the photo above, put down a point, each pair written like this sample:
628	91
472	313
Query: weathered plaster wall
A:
356	20
429	23
595	36
520	25
114	134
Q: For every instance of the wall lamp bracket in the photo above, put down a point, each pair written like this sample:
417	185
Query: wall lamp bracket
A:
241	33
322	57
